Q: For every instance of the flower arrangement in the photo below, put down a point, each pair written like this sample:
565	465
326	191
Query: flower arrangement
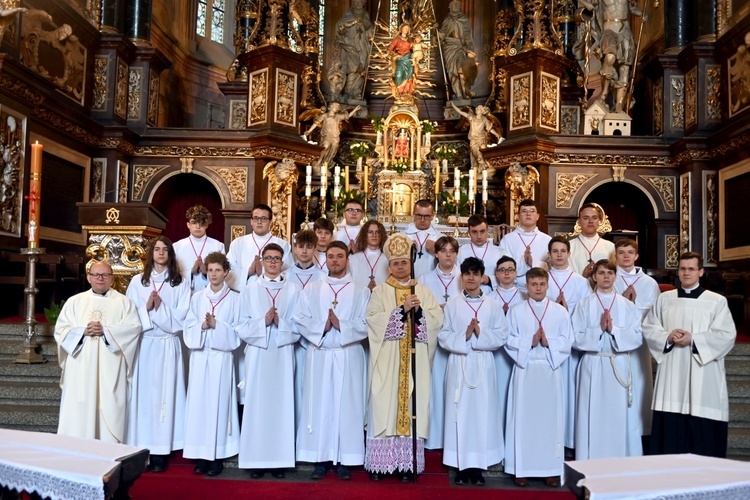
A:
428	126
359	149
400	166
448	204
378	123
445	152
353	194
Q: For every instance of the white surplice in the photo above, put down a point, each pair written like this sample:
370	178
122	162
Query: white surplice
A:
96	371
320	259
347	233
157	401
368	263
242	252
440	284
333	405
646	291
503	362
584	250
212	427
688	382
606	419
575	287
425	262
267	438
187	251
487	253
473	434
534	433
514	245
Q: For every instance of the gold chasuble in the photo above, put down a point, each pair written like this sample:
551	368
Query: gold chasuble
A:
403	415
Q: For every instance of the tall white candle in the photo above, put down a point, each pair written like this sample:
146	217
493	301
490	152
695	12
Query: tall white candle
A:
457	185
445	166
308	170
323	187
336	181
484	186
471	186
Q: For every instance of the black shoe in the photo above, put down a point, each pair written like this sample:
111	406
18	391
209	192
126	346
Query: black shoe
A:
319	472
406	477
278	473
257	473
376	476
201	467
461	478
158	463
215	468
477	477
343	473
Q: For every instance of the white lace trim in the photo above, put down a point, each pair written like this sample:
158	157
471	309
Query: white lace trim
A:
48	485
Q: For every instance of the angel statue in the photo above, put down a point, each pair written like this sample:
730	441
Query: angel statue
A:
481	124
282	178
520	181
329	122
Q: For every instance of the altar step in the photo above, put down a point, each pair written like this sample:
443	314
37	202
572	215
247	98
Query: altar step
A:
30	394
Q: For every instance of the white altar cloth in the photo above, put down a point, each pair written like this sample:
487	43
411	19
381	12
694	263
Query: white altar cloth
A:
660	476
58	466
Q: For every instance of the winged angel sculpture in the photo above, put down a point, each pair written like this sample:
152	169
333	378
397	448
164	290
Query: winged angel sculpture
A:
482	125
330	123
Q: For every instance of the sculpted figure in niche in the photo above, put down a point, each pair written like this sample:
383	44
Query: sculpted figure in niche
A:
458	51
352	43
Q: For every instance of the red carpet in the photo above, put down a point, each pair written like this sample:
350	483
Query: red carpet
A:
180	482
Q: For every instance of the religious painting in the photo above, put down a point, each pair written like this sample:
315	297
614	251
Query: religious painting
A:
521	100
65	182
738	79
258	97
286	98
549	111
402	142
734	229
12	161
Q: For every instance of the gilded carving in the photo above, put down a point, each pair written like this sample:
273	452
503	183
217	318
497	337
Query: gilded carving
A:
566	187
153	98
671	251
521	101
685	212
236	180
738	71
186	165
618	173
258	97
54	53
711	213
691	97
121	89
20	89
12	147
286	97
570	119
609	159
677	100
659	106
503	29
236	232
69	127
237	114
520	181
112	215
275	28
122	182
100	82
550	101
538	28
282	179
142	174
96	187
134	93
666	186
124	251
713	93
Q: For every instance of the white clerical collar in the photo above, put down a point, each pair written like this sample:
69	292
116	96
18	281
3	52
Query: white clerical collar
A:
480	246
277	279
412	229
100	294
404	283
211	294
312	264
522	230
161	276
589	238
688	290
199	240
373	252
538	303
442	273
556	271
469	297
508	290
338	281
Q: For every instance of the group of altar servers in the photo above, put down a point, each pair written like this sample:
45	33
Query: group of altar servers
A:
524	349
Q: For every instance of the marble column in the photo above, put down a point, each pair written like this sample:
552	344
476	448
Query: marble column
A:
113	16
704	27
678	17
138	21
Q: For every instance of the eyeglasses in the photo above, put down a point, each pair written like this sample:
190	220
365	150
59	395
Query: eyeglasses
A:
506	270
268	258
100	276
422	217
354	210
260	219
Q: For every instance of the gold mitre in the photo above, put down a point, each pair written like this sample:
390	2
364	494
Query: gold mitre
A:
398	246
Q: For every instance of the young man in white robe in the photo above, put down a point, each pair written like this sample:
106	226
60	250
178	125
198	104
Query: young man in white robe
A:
689	332
267	327
424	236
526	244
567	288
482	248
303	273
506	294
539	340
367	265
97	336
245	252
157	401
212	426
389	428
331	316
588	246
445	283
474	327
192	251
642	290
607	332
324	230
353	213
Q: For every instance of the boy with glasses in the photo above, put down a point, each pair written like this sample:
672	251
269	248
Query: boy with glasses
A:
353	213
424	236
526	244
